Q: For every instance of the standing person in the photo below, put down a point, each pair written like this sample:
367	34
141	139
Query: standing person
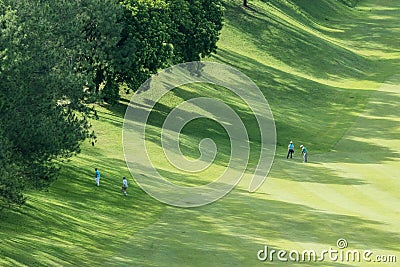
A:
304	153
97	177
124	185
290	150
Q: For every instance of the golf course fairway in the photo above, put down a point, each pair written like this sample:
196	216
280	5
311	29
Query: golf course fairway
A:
331	75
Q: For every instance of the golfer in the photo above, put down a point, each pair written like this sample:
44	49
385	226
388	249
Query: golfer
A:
290	150
304	153
124	185
97	177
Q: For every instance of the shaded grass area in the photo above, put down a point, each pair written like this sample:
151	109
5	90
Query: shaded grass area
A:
272	28
198	129
295	101
302	206
337	109
318	64
232	230
76	222
316	84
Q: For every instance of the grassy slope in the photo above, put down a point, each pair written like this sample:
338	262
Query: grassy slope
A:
319	65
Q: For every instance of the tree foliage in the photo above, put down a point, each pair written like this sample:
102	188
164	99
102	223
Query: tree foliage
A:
144	46
195	27
58	56
158	33
43	112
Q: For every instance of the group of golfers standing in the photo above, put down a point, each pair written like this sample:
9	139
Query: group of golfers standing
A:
291	151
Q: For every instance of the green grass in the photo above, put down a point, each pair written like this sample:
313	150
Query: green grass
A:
328	72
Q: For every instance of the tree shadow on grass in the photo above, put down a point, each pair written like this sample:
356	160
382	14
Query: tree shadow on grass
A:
377	27
304	110
76	222
312	172
115	121
305	51
118	109
300	218
374	136
328	116
232	231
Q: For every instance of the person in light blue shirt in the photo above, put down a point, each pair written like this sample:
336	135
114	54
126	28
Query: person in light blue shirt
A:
290	150
97	177
304	152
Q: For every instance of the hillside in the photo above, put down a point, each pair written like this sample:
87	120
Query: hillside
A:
328	72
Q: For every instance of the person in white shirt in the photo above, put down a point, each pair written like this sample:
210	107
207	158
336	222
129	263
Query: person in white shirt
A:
124	185
304	152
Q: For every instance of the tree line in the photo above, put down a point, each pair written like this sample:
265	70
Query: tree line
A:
60	56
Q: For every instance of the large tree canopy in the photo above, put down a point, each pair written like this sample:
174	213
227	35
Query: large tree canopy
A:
42	113
195	27
57	56
158	33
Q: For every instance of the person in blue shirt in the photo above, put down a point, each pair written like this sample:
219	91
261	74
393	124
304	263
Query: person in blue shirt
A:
290	150
304	152
97	177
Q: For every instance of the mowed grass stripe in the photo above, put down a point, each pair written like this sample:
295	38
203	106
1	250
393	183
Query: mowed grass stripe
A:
297	206
381	177
252	51
295	192
316	89
375	198
340	199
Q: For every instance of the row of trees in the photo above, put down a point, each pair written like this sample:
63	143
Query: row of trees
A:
58	56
